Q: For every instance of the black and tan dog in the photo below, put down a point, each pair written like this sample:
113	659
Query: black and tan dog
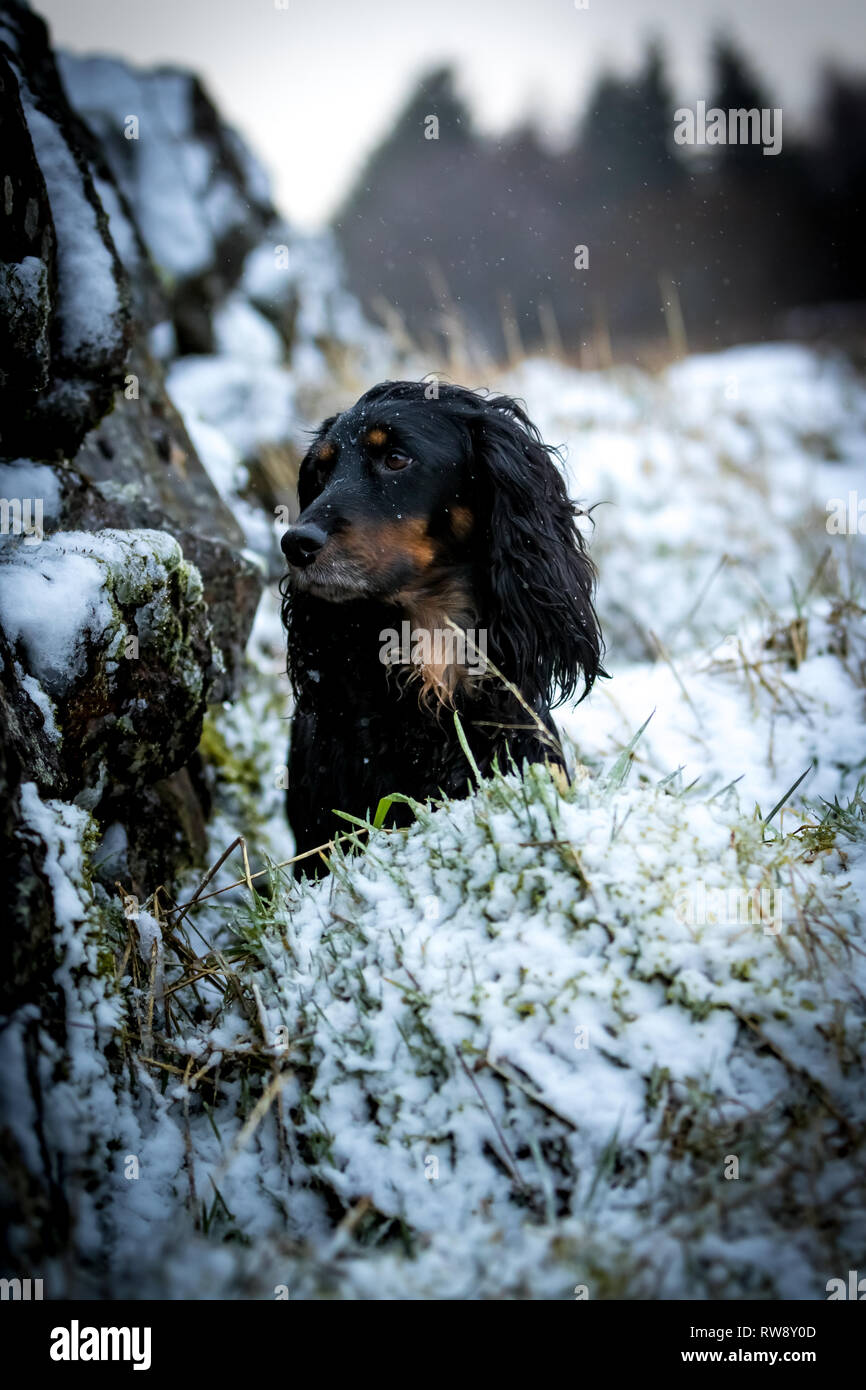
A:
421	508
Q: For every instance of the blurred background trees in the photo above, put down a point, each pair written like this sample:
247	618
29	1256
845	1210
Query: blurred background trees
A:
469	242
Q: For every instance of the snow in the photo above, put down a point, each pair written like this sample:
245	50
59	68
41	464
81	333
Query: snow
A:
597	1019
24	283
249	402
56	598
715	718
89	302
520	1045
184	204
178	237
121	228
48	607
266	276
710	482
162	340
714	479
521	1030
41	701
22	478
241	331
304	271
150	936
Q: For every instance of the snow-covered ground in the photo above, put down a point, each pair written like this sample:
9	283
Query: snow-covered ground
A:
731	608
713	488
593	1041
600	1042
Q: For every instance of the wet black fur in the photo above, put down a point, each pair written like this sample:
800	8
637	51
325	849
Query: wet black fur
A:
357	733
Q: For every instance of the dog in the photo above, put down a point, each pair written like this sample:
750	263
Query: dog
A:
434	512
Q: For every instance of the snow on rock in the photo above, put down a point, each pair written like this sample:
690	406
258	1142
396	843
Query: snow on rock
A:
63	293
51	608
112	627
90	307
26	304
179	174
241	331
296	280
90	1125
36	490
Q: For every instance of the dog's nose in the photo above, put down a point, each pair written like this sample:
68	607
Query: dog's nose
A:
302	544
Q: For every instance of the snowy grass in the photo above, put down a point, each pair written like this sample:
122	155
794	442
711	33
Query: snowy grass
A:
519	1048
549	1042
552	1042
603	1038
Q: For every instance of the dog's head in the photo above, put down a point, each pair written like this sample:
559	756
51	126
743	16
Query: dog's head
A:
384	492
444	501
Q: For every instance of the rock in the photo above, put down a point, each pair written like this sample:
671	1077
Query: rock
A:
63	291
26	952
139	468
156	337
162	135
112	629
83	395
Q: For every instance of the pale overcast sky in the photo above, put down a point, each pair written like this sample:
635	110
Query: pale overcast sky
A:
315	84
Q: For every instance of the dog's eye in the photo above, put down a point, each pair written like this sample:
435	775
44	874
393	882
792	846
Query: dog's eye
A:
396	461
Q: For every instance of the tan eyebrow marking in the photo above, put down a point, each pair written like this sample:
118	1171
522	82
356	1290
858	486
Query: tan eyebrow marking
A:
377	436
326	452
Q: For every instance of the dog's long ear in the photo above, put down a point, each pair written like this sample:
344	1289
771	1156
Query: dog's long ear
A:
543	631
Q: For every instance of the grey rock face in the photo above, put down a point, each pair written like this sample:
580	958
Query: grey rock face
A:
159	331
64	299
115	535
158	130
112	630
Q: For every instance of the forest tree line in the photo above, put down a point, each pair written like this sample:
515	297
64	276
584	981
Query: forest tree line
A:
468	241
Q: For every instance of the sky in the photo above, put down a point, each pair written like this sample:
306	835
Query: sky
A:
314	84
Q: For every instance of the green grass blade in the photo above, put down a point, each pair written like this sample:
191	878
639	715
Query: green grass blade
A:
780	803
618	773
